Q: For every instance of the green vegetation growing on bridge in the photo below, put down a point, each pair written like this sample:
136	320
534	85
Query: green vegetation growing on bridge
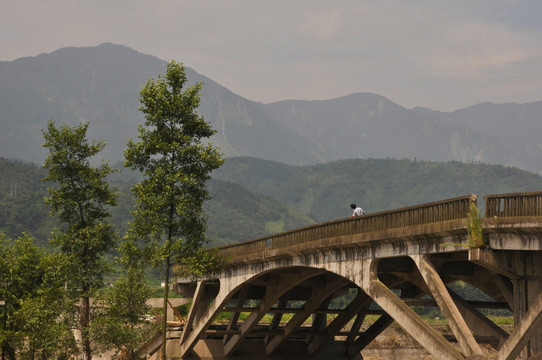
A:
474	228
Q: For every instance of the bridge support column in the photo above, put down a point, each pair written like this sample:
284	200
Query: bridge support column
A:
526	289
440	293
428	337
235	315
318	296
524	268
277	317
195	311
524	333
354	308
477	322
370	334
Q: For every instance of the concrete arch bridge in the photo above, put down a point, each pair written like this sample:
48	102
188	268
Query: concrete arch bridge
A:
331	276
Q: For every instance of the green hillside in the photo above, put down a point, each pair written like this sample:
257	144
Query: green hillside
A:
325	191
22	208
234	214
253	197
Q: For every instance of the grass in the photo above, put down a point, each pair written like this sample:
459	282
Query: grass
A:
502	320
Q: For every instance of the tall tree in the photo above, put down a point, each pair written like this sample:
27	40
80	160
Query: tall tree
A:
81	197
176	165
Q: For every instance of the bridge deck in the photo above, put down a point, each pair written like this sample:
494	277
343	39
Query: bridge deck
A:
431	220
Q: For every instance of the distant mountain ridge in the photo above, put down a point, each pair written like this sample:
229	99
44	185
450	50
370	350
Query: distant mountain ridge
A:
101	85
371	126
518	126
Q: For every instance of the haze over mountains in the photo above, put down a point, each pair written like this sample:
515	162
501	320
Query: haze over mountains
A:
101	85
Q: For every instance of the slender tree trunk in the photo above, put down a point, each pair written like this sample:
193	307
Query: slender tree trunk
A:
85	321
164	318
4	325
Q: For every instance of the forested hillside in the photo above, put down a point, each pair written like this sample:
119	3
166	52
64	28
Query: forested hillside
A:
22	208
325	191
253	197
234	213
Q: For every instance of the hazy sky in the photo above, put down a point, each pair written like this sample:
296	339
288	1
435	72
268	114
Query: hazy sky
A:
441	54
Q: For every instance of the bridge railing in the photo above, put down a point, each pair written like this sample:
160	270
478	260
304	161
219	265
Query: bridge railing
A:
513	205
434	212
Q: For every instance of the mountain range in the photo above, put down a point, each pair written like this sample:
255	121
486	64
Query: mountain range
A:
101	84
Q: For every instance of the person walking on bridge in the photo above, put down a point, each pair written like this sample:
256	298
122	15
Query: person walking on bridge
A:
357	210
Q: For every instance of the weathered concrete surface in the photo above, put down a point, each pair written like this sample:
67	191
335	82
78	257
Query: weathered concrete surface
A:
439	292
351	264
525	331
391	259
359	266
